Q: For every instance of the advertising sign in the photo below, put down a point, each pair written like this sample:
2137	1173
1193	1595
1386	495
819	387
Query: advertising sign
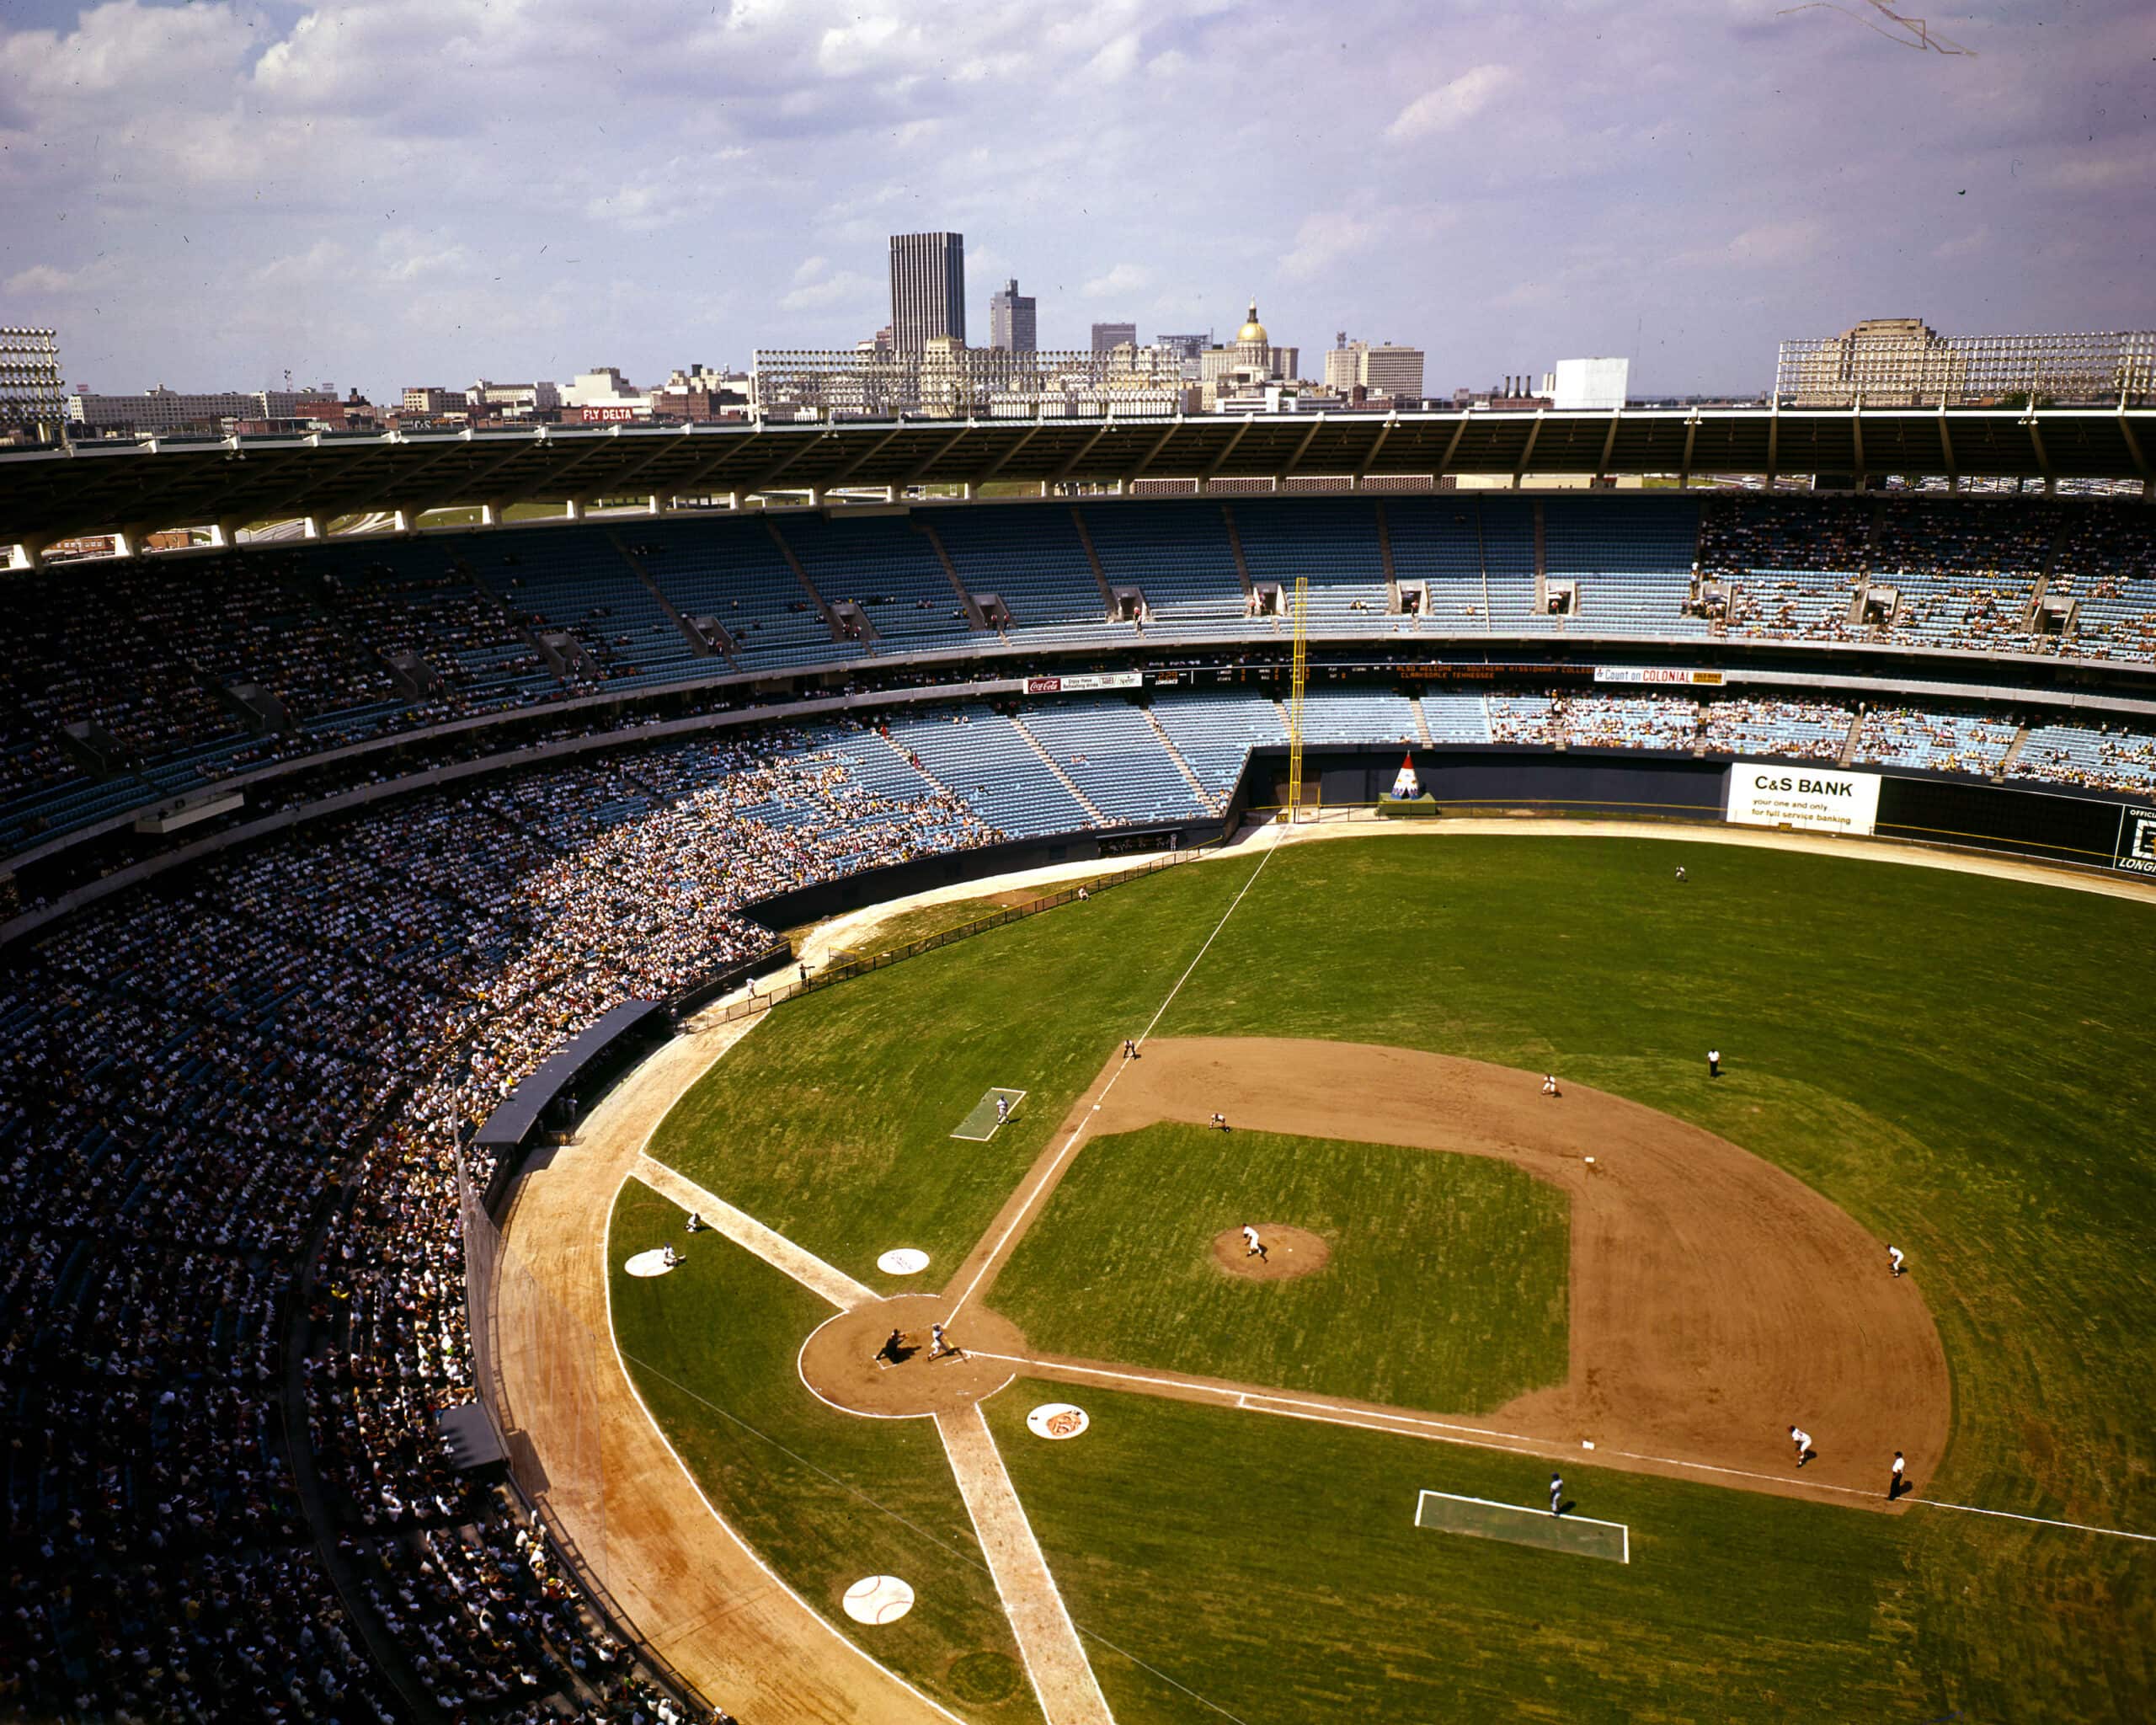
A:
1080	684
1798	794
1656	673
2137	850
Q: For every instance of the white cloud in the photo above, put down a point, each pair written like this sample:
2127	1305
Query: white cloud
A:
1967	245
846	288
1451	104
42	278
1778	244
1325	236
1123	278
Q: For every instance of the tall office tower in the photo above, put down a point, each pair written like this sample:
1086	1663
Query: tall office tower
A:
1010	320
928	289
1109	337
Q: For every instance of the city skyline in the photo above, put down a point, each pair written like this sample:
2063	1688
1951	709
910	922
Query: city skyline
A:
210	196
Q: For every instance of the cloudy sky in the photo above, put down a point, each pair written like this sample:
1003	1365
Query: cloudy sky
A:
388	192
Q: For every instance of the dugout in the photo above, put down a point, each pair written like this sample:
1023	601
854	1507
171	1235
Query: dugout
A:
570	1078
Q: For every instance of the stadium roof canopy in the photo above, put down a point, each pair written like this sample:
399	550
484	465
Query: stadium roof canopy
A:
139	488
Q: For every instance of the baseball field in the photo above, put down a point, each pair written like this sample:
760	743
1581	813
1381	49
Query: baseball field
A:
1454	1300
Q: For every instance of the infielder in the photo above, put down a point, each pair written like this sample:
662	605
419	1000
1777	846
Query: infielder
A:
1893	1260
1802	1439
1550	1084
1896	1479
1253	1245
1219	1123
1556	1493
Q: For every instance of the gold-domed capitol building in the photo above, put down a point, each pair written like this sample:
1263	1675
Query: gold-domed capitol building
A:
1250	365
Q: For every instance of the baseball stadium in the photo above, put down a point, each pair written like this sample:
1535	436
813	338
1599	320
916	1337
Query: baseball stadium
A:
1457	1065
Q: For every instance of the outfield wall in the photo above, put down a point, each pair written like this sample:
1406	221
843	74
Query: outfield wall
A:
2090	829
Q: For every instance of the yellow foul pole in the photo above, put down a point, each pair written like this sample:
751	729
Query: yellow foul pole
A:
1295	703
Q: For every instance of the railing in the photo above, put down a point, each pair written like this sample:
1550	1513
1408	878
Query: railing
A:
754	1003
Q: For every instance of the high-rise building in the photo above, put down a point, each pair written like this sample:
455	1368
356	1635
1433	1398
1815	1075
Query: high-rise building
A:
1377	369
1184	347
1107	337
1010	320
1343	363
928	290
31	398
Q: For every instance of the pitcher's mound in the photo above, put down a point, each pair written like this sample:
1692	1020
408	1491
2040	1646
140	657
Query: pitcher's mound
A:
1289	1251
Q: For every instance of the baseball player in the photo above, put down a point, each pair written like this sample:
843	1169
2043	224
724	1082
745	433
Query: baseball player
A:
696	1221
1253	1245
1680	873
1714	1063
670	1258
1893	1260
1002	1109
1802	1439
1129	1049
1219	1123
1556	1493
1897	1478
1550	1084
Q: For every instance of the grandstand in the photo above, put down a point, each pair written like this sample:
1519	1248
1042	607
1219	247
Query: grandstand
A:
319	849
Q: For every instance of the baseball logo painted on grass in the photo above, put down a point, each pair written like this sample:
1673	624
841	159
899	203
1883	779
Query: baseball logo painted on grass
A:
903	1261
879	1599
1057	1420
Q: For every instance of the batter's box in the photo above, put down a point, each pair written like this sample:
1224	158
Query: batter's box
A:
1523	1525
980	1124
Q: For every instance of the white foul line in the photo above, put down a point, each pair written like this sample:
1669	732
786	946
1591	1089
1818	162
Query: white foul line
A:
1477	1437
1071	1143
1048	1646
746	1231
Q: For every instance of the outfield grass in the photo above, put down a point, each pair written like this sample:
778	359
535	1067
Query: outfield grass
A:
1446	1287
1290	1583
1960	1063
825	1498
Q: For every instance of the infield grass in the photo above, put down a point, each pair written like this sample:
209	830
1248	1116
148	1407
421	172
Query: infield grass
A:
1961	1064
1445	1289
832	1124
826	1498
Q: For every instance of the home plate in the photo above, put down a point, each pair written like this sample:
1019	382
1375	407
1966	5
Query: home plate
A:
903	1261
1056	1419
879	1599
649	1263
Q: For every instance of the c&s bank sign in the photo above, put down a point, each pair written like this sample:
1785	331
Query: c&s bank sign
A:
1812	799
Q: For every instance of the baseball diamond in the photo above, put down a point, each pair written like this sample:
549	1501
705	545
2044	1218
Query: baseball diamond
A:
1716	1266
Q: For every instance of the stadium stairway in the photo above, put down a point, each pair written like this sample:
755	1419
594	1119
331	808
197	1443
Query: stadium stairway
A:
1092	809
1421	721
1206	799
913	762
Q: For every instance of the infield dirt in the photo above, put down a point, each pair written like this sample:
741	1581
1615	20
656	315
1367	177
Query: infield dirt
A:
1715	1301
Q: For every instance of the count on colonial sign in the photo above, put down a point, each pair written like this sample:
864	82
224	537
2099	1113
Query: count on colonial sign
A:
1815	799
